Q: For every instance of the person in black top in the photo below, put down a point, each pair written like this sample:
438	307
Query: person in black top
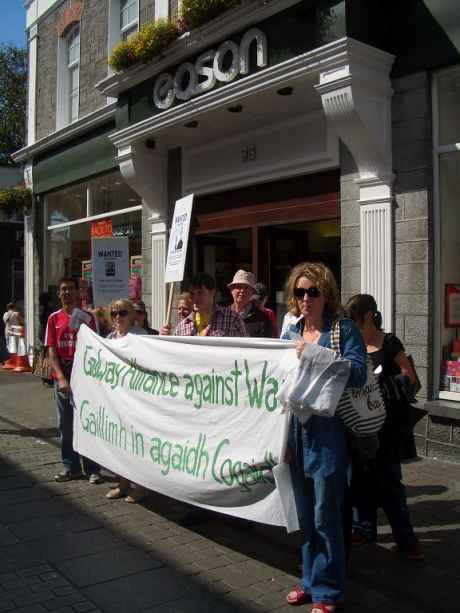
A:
378	483
142	318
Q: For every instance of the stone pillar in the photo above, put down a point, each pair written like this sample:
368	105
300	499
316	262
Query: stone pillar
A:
32	84
356	94
145	170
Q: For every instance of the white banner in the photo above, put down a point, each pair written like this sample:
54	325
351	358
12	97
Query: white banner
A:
110	273
178	240
195	418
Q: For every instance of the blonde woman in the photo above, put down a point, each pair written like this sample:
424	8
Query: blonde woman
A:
123	317
318	450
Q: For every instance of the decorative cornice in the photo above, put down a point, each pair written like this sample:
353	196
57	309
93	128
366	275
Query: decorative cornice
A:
83	125
193	42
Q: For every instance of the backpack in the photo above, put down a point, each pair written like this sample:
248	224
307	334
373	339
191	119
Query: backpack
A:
361	409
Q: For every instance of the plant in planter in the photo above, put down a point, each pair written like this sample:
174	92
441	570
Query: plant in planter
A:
195	13
15	199
148	43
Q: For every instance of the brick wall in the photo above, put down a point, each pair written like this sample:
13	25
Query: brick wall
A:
93	62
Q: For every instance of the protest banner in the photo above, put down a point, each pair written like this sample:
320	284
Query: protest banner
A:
198	419
110	269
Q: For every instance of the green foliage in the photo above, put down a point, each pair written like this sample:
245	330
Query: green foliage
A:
148	43
13	94
15	198
195	13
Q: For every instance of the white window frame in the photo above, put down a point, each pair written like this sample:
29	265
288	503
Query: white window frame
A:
64	79
438	149
115	30
133	25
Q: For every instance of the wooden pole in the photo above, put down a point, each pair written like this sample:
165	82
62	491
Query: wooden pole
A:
170	299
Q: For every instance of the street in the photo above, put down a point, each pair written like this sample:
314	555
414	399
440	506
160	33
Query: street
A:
66	548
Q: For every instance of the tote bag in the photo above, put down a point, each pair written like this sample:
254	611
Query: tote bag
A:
362	408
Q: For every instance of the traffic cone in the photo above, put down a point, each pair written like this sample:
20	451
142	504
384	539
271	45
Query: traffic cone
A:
21	364
10	362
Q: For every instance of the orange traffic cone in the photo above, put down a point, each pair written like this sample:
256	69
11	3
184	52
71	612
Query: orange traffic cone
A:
10	362
21	364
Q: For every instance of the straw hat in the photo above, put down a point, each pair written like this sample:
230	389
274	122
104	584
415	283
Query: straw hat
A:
243	277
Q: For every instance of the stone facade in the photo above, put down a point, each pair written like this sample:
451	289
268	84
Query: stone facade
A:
93	62
413	167
349	208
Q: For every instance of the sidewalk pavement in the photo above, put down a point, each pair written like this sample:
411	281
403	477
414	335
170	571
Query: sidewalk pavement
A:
66	548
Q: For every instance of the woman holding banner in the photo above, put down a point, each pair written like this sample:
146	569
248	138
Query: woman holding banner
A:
317	450
123	318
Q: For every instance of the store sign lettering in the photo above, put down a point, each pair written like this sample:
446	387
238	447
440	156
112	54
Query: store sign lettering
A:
192	80
101	229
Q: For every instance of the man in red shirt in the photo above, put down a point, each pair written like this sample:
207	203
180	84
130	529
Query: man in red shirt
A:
61	341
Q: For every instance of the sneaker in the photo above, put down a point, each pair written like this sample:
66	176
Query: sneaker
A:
412	552
95	478
67	475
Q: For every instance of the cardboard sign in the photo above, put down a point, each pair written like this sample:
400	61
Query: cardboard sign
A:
178	240
110	269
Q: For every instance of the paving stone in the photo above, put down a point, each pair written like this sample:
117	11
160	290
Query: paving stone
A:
67	546
107	565
139	591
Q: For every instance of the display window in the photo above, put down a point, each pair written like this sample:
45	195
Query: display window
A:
100	207
447	230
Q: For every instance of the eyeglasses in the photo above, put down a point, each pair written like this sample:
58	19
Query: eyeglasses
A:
121	313
312	292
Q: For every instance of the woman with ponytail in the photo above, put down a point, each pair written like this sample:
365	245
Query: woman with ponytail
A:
378	483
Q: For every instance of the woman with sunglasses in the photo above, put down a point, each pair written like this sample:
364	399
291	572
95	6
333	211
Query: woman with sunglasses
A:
123	318
317	450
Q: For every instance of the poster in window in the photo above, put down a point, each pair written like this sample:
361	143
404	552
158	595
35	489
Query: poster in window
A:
452	306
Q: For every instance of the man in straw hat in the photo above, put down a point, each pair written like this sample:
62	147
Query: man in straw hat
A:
242	289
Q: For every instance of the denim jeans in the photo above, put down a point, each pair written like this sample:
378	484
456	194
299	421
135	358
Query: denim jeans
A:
319	502
70	458
379	484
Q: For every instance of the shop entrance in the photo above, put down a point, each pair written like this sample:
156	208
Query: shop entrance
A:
282	224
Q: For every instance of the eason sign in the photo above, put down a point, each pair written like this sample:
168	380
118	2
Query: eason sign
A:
195	418
222	65
110	257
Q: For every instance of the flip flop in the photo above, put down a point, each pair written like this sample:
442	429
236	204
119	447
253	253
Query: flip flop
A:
298	596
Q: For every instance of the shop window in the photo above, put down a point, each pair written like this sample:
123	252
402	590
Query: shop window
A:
68	82
110	193
66	204
447	164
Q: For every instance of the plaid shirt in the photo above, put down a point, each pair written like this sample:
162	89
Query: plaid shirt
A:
224	322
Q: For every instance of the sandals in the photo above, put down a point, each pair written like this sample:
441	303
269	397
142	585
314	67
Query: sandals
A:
298	596
138	494
115	493
323	607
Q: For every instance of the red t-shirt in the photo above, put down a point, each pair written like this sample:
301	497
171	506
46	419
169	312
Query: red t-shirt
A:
62	337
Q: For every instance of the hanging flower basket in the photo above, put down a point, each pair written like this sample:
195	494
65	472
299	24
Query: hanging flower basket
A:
15	199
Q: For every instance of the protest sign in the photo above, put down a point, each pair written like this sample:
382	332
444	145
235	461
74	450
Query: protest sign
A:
110	257
178	240
195	418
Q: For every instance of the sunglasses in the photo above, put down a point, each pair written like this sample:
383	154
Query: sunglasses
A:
312	292
122	313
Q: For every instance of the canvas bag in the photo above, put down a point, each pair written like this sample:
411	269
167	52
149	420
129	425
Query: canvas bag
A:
362	409
42	366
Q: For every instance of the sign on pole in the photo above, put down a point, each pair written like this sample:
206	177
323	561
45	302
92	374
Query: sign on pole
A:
110	269
178	240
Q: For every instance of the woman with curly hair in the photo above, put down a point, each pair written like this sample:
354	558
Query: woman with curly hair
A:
317	449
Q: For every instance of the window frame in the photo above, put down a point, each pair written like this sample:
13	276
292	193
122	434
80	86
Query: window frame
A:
438	313
67	68
132	26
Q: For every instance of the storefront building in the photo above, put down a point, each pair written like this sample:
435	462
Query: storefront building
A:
306	130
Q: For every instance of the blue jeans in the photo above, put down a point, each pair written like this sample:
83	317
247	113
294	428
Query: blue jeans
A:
379	484
319	502
70	458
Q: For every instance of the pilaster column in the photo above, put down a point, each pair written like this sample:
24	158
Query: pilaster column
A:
356	92
145	170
